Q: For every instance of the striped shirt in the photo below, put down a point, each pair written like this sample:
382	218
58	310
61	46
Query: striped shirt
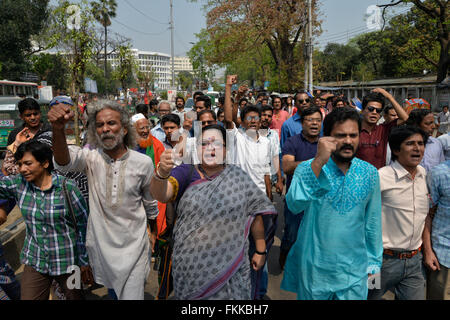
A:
50	245
439	186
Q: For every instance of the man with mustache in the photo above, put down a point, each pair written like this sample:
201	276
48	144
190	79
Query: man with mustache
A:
374	137
339	241
119	196
404	198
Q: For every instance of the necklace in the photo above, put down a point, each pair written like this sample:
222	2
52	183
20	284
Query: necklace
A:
200	168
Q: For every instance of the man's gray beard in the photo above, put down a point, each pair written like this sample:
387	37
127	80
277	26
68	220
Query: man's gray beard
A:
118	139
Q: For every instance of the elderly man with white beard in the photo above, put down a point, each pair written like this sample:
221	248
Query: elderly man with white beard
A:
119	196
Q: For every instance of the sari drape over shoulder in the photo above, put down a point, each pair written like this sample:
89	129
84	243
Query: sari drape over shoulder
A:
210	255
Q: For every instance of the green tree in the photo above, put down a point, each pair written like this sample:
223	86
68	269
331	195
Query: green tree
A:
237	26
146	78
103	11
201	55
185	80
19	21
126	68
436	13
51	68
337	60
73	31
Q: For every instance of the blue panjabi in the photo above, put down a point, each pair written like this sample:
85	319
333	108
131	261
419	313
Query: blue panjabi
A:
340	239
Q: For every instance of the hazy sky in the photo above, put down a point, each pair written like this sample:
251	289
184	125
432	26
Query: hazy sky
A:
146	22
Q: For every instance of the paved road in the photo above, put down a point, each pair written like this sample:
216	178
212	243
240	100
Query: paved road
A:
275	273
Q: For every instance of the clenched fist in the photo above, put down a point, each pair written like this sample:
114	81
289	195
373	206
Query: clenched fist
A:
59	115
325	147
166	162
231	79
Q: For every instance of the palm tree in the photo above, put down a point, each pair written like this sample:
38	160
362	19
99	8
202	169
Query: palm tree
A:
103	11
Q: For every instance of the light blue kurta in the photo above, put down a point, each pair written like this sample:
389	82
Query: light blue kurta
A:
340	239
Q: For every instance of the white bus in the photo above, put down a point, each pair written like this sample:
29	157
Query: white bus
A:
18	89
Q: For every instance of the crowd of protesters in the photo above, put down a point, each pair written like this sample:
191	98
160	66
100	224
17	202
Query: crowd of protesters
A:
366	205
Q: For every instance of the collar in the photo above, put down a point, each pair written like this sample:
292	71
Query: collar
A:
432	140
401	172
55	183
296	117
334	167
108	159
306	140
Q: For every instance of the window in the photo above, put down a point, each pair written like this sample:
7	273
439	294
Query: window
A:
9	90
1	90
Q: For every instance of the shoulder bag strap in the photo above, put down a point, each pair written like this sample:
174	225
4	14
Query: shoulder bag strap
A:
69	204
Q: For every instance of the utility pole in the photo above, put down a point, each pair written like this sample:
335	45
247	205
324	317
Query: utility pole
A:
310	48
171	43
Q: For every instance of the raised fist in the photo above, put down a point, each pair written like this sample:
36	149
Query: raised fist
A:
59	115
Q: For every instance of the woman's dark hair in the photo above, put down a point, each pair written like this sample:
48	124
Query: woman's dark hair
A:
250	108
213	114
416	117
170	118
309	111
40	151
340	115
28	104
374	96
217	127
142	108
400	134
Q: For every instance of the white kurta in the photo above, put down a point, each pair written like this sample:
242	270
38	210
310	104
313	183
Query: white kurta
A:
119	204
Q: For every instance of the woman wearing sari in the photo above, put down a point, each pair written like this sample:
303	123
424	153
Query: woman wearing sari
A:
218	206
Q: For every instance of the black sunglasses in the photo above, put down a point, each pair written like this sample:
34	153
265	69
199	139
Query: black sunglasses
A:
378	110
301	100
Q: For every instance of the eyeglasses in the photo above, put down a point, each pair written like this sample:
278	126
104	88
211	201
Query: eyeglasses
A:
302	101
215	144
313	120
250	118
371	109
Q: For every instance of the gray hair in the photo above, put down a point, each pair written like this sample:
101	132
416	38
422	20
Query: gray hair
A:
164	102
129	140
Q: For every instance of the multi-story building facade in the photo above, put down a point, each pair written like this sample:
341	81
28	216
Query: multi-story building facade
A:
158	63
182	64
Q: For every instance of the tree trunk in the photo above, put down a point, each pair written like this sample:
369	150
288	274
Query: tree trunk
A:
443	64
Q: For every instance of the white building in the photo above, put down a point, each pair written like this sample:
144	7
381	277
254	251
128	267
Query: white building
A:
182	64
159	63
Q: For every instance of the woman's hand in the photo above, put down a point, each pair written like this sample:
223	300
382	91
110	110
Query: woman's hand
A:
166	163
258	261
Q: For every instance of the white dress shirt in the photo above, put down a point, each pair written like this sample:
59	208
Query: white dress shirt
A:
252	156
404	206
